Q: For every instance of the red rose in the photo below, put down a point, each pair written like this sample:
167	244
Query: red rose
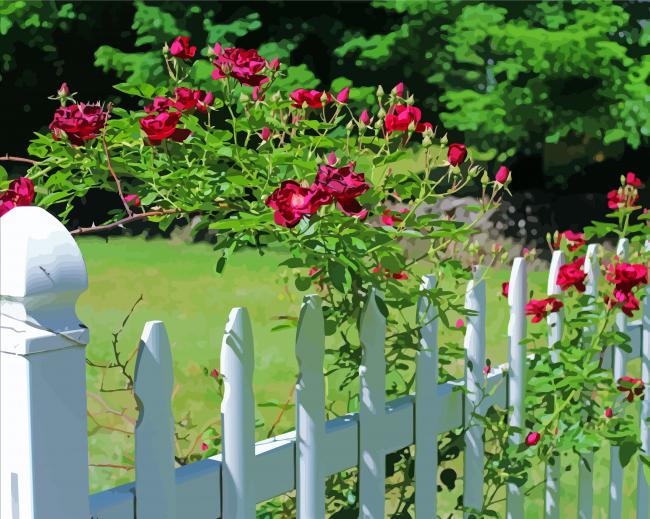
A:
575	240
344	185
388	274
632	180
632	386
457	154
400	117
180	48
20	193
160	104
133	200
163	126
502	175
505	288
572	275
80	122
242	64
389	217
625	300
313	98
533	439
292	201
187	99
627	276
539	309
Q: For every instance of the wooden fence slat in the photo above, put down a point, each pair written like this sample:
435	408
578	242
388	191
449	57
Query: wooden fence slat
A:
517	298
475	301
310	411
643	490
238	418
555	322
372	402
586	462
618	367
426	405
155	478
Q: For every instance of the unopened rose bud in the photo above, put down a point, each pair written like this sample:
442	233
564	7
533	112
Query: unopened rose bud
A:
243	97
324	97
411	126
381	114
444	139
265	134
304	105
410	100
398	90
349	126
63	90
364	117
331	159
344	95
380	92
426	141
274	65
503	175
485	179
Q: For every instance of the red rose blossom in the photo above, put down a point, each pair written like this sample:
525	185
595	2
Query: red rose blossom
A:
344	185
20	193
572	275
180	48
632	386
632	180
313	98
159	104
401	117
540	308
389	217
80	122
187	99
457	154
627	276
246	66
163	126
292	201
574	240
533	438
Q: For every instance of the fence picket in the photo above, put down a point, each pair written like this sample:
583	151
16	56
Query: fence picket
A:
474	379
586	462
618	368
310	411
555	322
238	418
155	482
517	297
643	490
426	384
372	404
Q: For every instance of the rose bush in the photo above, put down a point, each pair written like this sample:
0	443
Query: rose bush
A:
257	164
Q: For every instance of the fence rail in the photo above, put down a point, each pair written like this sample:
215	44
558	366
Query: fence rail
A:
44	470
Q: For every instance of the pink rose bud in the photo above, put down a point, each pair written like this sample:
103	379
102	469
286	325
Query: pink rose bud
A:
630	179
132	200
208	99
313	271
502	175
204	446
344	95
399	89
331	159
258	94
533	439
63	90
486	370
609	412
181	48
217	48
214	373
460	323
266	134
505	289
365	117
274	64
457	154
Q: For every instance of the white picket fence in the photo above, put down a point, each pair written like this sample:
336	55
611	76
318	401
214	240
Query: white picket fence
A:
44	455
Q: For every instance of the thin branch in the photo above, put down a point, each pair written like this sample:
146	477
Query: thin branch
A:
110	166
108	409
128	219
11	158
281	413
111	466
107	427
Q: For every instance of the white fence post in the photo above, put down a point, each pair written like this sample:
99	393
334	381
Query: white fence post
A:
643	491
586	462
372	409
555	322
44	443
474	383
155	482
238	418
618	369
517	298
310	411
426	405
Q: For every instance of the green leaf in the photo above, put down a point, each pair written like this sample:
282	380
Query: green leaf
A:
626	451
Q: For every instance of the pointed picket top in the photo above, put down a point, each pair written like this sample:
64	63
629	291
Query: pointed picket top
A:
517	298
555	323
623	249
643	488
592	268
372	404
155	483
310	410
475	301
238	418
426	406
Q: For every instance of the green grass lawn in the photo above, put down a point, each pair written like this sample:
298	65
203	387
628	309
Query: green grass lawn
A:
179	286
